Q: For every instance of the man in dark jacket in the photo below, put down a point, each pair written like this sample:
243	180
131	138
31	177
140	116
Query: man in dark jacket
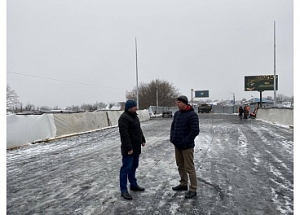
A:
184	129
132	138
241	111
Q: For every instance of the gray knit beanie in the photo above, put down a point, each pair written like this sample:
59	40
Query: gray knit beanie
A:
183	99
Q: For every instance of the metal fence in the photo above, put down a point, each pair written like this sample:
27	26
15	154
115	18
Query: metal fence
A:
215	109
229	109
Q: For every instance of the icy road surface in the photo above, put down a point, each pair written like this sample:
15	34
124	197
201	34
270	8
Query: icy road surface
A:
243	167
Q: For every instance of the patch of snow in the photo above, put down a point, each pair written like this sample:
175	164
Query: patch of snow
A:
242	142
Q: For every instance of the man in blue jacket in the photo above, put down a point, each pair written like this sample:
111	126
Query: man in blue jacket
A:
132	138
184	129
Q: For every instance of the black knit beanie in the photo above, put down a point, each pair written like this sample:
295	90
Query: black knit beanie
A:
129	104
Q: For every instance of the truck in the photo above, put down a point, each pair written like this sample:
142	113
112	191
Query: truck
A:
204	108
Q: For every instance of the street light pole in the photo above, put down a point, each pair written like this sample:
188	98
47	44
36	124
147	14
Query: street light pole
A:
156	90
192	93
274	67
233	98
233	101
137	76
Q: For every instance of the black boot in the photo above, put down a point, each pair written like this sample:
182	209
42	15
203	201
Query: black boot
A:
190	194
137	188
180	187
126	195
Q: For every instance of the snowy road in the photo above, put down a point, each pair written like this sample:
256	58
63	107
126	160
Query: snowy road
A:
243	167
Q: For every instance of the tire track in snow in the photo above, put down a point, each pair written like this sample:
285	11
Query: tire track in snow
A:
242	143
278	167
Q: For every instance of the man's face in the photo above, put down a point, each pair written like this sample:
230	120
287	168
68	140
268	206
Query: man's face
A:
132	110
180	105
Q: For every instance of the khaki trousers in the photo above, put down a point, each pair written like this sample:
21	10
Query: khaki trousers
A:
185	163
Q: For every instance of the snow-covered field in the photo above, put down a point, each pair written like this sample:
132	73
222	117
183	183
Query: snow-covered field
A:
243	167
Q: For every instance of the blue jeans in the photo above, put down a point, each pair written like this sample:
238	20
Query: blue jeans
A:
128	169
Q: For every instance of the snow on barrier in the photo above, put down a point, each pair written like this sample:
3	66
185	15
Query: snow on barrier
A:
26	129
276	115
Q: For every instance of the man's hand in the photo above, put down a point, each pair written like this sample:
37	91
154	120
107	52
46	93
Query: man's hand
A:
130	152
143	144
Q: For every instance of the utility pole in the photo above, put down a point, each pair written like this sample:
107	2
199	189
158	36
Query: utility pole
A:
233	94
192	93
274	66
156	90
137	76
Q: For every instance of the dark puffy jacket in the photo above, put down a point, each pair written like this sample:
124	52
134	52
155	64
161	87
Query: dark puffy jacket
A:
131	133
184	128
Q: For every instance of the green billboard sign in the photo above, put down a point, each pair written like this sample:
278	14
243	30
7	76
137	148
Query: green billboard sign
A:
201	94
260	83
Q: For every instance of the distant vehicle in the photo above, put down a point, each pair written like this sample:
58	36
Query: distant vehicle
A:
167	113
287	104
204	108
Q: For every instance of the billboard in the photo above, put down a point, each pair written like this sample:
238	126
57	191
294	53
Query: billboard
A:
260	83
201	93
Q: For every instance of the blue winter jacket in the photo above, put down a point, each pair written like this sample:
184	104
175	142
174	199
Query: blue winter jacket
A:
184	128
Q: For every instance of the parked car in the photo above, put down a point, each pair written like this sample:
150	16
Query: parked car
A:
167	113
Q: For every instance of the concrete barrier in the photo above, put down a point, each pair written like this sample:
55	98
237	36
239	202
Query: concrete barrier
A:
281	116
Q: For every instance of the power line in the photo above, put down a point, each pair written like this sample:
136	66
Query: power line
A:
54	79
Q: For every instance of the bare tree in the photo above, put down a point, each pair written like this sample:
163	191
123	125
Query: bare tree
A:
29	107
12	101
73	108
157	90
131	95
44	108
99	105
282	98
269	98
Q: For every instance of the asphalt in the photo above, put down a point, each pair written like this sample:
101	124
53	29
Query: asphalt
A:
243	167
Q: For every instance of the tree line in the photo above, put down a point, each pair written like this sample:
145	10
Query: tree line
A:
157	92
149	94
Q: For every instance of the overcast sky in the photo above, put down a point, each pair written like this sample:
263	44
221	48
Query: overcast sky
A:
70	52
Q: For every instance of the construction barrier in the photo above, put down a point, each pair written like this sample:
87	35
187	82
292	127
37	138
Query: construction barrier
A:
283	116
79	122
27	129
23	129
